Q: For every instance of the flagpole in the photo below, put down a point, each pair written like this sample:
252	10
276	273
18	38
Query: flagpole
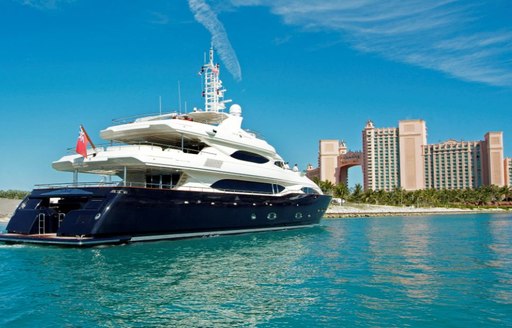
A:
88	138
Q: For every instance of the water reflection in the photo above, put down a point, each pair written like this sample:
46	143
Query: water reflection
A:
400	262
500	229
419	272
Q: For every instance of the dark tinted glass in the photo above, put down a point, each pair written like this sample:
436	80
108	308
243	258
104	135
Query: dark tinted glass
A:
249	157
247	186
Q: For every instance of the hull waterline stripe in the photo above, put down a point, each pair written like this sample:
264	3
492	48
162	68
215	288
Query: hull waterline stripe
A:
70	242
215	233
95	242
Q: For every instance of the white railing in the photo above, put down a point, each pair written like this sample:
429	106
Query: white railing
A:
106	146
122	184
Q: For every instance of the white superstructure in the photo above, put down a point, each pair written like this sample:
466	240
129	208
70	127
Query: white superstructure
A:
204	150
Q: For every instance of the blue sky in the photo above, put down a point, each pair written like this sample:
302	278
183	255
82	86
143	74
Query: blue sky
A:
301	70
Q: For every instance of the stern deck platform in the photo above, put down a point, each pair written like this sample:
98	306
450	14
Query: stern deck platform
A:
53	239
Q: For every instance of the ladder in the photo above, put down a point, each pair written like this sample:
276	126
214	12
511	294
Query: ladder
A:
42	223
61	218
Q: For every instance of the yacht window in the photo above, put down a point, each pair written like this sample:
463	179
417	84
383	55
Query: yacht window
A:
31	203
280	164
277	188
94	204
166	181
249	157
162	180
247	186
308	190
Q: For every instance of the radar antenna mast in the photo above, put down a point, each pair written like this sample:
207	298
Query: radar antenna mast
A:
213	91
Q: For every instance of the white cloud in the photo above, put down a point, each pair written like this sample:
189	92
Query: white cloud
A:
205	15
434	34
44	4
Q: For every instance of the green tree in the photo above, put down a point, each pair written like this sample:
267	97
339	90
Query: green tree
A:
341	191
357	193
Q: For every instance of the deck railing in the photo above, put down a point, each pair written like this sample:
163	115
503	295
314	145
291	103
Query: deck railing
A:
122	184
104	146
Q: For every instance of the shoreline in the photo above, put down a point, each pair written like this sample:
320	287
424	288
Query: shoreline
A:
366	210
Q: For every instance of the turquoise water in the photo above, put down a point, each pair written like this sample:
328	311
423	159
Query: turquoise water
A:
442	271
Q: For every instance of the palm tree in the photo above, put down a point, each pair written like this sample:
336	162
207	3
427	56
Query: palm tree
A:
506	192
326	186
357	193
341	191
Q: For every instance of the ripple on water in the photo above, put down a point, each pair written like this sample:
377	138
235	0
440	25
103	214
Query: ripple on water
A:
424	271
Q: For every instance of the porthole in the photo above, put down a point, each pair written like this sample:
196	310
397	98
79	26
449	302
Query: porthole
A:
97	216
253	216
298	215
271	216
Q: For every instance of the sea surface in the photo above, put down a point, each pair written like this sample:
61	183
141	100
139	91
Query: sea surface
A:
435	271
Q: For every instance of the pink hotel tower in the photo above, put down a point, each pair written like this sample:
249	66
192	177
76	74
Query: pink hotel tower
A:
401	157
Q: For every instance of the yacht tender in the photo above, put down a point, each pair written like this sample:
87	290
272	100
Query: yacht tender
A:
183	175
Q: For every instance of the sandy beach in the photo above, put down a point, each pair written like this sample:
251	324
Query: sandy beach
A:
365	210
7	207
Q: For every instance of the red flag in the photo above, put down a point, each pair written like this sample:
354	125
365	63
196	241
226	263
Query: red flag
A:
81	143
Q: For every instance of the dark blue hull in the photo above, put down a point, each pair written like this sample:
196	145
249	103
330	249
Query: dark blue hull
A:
102	215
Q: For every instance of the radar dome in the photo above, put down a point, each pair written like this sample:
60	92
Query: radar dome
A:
235	110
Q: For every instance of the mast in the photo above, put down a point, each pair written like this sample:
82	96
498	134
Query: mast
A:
213	91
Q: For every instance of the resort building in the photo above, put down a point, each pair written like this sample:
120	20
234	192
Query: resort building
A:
508	171
328	160
334	160
413	136
392	156
493	159
380	158
453	165
400	157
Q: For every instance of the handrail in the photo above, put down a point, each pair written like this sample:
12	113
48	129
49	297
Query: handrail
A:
132	118
76	185
104	146
122	184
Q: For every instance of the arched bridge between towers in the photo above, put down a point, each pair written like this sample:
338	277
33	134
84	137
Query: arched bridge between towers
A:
346	161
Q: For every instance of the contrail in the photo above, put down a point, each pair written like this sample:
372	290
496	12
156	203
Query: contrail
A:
205	15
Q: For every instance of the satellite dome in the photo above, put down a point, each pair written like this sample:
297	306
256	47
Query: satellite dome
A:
235	110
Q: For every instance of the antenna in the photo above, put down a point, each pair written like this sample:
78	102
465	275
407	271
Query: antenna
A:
213	92
179	97
160	102
186	111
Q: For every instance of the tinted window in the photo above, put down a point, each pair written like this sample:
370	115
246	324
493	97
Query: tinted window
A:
308	190
31	203
94	204
247	186
249	157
